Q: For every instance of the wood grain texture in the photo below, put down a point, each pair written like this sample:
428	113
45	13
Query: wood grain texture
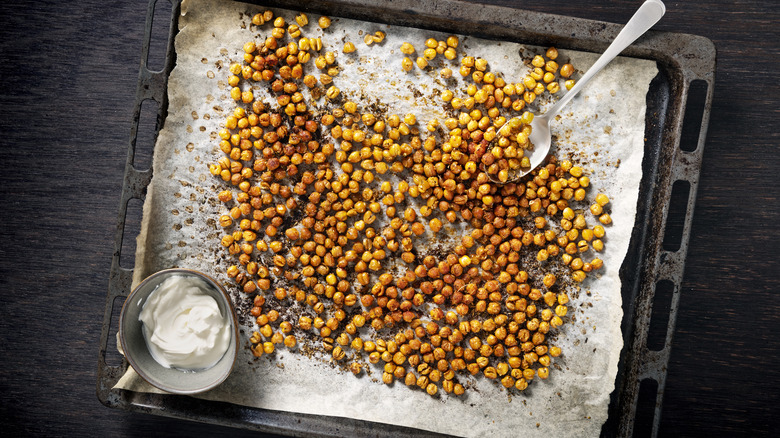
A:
67	83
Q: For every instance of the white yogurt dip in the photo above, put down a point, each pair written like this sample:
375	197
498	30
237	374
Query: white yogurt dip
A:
183	326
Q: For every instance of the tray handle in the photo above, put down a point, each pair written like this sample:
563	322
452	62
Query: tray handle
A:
653	339
151	85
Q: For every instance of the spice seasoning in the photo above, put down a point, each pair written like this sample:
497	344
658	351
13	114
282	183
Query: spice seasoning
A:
353	253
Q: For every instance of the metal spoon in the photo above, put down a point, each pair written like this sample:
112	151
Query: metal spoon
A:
645	17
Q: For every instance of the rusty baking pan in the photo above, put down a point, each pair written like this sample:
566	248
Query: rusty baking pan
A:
678	110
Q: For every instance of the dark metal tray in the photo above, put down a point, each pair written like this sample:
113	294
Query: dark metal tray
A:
678	108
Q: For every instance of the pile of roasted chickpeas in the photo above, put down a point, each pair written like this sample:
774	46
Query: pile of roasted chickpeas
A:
341	223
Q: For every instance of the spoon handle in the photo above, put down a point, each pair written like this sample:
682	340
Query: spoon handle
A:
645	17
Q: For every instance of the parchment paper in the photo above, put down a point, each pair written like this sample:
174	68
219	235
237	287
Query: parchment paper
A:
601	130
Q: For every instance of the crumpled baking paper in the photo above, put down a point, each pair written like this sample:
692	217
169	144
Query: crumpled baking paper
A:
602	130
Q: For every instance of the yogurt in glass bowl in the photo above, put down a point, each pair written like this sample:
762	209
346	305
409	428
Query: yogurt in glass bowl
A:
178	331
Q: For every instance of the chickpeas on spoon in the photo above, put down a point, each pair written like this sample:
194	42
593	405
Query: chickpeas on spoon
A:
645	17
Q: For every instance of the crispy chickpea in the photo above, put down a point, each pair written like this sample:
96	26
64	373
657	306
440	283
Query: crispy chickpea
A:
452	41
566	70
290	341
450	53
406	64
356	368
435	225
332	92
336	235
324	22
407	49
258	19
225	221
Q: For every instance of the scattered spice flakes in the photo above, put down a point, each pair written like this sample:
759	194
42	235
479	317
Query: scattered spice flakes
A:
342	263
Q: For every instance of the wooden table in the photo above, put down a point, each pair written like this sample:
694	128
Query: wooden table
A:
68	78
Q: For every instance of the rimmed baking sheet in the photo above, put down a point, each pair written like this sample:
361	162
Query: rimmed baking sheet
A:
663	165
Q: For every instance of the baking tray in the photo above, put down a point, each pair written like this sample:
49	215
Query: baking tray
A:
678	109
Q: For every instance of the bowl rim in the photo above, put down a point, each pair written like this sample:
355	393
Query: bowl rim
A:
232	318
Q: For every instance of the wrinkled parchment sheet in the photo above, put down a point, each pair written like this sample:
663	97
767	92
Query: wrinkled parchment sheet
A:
601	130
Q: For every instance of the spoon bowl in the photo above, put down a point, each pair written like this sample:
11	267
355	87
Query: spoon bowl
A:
541	138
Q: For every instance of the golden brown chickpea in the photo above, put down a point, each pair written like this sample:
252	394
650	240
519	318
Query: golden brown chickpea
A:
324	22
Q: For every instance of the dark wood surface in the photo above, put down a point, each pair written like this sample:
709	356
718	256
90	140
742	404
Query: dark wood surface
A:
68	74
